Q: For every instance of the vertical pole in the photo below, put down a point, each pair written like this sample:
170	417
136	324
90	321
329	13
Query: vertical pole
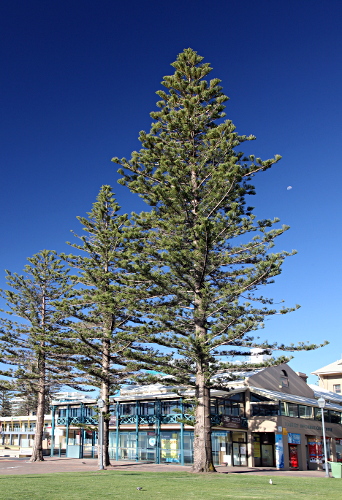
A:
136	430
325	446
80	453
52	431
84	436
117	431
67	431
182	433
158	418
93	443
100	440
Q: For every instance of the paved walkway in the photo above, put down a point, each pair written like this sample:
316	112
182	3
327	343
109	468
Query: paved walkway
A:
56	464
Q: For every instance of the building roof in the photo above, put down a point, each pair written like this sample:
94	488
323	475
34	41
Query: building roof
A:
328	395
335	367
236	376
292	398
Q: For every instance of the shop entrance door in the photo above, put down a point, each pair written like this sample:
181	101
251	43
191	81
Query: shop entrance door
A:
239	454
188	448
293	456
263	449
219	441
147	446
267	455
128	449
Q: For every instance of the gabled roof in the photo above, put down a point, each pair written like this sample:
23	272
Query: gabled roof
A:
335	367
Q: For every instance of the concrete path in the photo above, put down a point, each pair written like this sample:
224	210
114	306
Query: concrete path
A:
55	464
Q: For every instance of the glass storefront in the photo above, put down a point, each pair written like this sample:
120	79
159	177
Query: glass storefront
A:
170	446
228	447
239	448
315	447
263	449
147	446
222	447
188	447
127	446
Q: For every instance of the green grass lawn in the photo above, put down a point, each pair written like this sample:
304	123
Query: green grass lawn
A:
164	486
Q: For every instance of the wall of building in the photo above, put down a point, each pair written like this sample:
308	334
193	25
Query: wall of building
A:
328	382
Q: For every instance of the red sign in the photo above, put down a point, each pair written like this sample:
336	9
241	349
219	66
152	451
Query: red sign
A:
293	455
315	450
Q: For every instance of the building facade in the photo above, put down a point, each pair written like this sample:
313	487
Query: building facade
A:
17	432
269	417
17	435
330	377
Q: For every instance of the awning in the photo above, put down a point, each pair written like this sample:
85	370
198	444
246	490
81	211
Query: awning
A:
292	398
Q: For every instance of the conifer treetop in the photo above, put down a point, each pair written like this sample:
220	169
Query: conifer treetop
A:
205	271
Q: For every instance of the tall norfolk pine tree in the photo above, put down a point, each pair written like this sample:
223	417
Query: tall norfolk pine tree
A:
29	344
103	337
202	268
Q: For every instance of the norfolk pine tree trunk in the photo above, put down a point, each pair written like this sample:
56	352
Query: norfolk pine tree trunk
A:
203	461
105	397
37	452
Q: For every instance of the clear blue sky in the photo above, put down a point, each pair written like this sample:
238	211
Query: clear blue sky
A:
78	80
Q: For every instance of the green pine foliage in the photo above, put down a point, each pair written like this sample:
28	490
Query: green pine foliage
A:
6	394
27	398
203	253
103	334
30	343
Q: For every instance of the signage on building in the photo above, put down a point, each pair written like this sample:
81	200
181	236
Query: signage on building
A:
315	449
231	421
293	456
257	450
152	441
293	438
279	451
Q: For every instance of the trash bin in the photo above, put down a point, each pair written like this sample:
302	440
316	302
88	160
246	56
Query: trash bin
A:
336	469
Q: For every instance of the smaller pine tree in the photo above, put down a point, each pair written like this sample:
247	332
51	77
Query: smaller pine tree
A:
103	335
30	343
6	394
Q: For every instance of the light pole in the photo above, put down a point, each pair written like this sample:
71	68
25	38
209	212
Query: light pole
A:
321	404
100	405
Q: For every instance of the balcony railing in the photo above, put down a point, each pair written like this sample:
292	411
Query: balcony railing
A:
76	420
216	420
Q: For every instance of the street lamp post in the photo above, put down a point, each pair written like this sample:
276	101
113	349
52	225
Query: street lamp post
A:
321	404
100	405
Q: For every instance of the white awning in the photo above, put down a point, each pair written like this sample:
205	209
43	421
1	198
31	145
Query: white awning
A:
292	398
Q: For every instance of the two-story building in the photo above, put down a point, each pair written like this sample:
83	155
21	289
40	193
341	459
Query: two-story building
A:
330	377
269	417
